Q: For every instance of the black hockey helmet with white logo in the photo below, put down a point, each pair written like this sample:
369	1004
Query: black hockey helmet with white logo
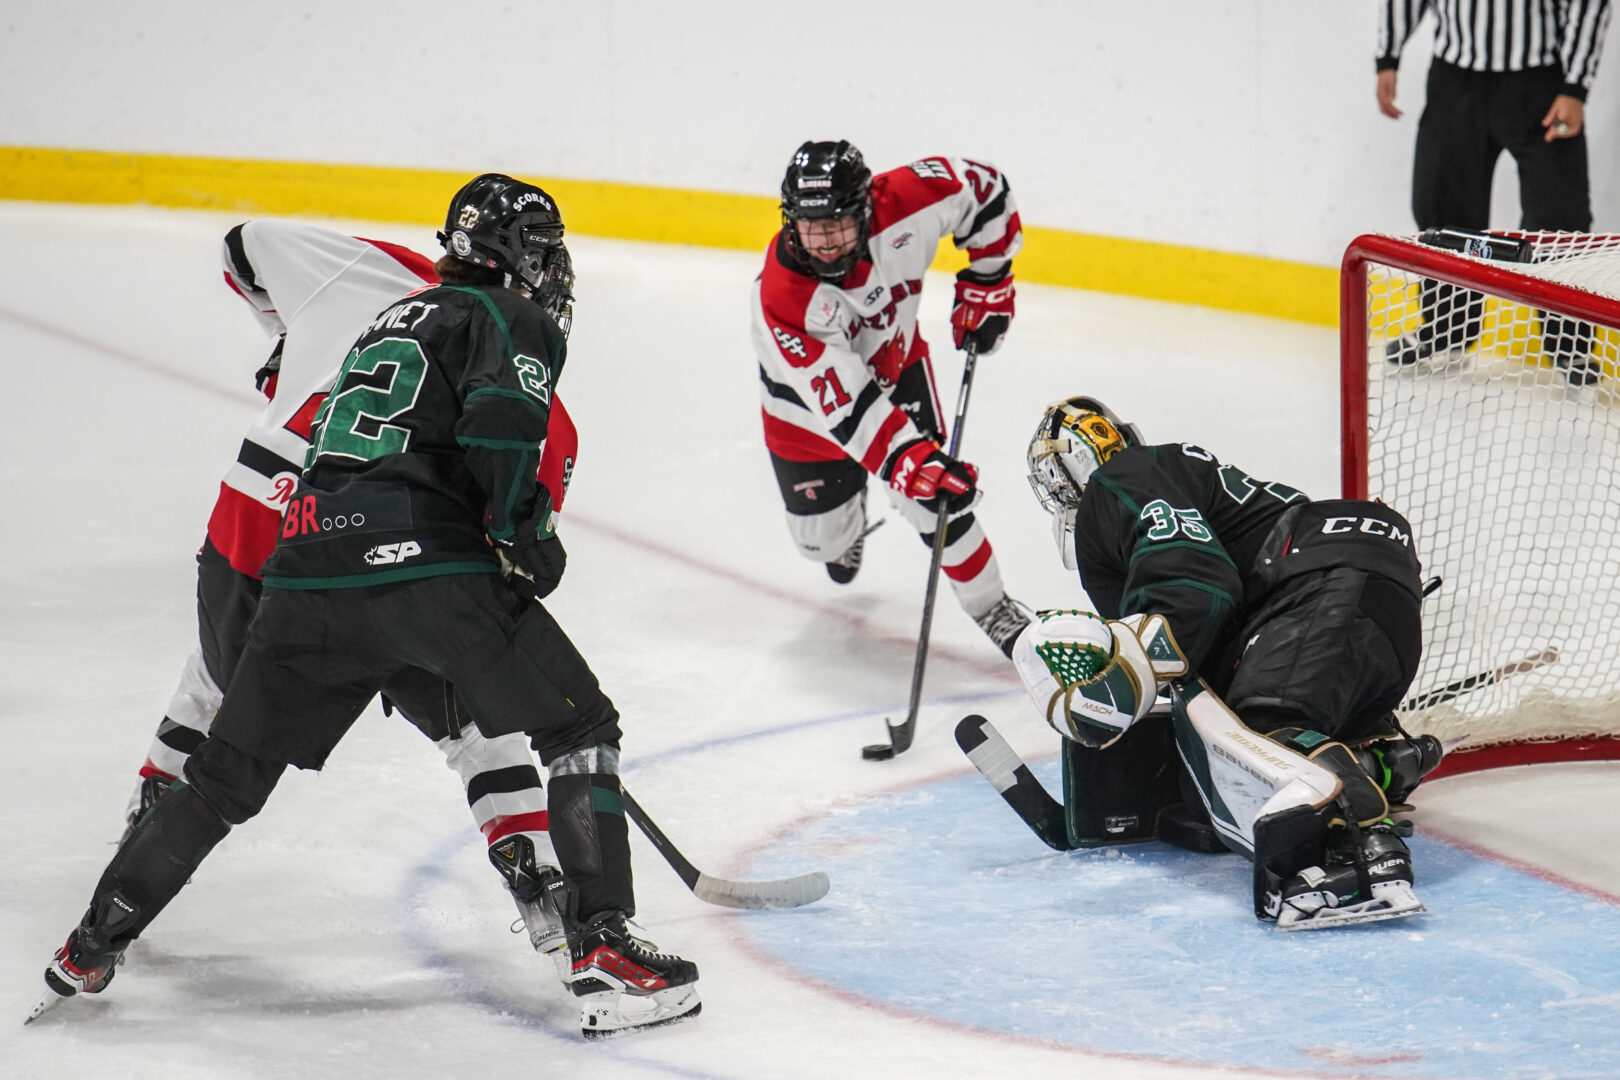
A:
827	180
507	225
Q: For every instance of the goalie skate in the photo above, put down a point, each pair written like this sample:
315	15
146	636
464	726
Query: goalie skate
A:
1367	878
1390	900
624	985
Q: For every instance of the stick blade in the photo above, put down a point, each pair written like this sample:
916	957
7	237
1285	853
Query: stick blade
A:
1000	764
757	895
900	736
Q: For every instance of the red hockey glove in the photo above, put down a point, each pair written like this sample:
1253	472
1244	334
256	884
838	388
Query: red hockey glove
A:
983	310
921	471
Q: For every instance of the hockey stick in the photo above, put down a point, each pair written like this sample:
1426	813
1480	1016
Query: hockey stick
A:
779	893
1006	771
1540	658
900	735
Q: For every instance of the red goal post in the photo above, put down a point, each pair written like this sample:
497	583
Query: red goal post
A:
1481	398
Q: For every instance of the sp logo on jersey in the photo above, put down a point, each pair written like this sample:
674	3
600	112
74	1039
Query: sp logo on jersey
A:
388	554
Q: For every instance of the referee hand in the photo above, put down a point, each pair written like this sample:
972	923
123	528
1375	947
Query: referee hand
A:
1565	118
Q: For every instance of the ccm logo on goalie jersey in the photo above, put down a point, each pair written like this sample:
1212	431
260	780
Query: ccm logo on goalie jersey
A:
1370	526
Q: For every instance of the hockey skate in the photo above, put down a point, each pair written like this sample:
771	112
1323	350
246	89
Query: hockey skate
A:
1581	370
535	887
89	959
844	568
1003	623
1366	878
623	984
1409	350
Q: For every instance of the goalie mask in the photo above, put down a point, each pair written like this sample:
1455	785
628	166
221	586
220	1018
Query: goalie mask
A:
507	225
827	184
1074	439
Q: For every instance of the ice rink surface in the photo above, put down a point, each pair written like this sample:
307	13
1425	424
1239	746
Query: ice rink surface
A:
355	929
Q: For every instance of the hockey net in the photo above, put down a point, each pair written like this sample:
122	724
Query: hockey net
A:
1480	398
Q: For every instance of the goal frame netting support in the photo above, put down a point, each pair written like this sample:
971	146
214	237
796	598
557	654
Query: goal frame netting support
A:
1357	347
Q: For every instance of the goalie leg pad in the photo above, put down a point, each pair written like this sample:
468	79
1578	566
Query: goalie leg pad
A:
1241	775
1120	795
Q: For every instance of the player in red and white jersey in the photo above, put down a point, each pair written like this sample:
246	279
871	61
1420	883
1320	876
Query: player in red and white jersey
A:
846	385
314	291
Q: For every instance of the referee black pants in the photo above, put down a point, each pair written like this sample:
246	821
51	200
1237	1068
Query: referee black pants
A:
1469	118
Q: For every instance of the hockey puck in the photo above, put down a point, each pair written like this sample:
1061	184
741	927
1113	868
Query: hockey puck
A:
877	752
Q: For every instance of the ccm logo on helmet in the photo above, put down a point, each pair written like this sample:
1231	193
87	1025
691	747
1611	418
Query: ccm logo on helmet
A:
1369	525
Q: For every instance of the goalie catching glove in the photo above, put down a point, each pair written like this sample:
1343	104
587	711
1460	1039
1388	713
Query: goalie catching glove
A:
1092	679
983	310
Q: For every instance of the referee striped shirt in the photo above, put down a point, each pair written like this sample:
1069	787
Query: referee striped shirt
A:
1503	35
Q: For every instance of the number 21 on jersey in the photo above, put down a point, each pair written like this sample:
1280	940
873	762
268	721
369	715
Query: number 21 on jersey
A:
830	391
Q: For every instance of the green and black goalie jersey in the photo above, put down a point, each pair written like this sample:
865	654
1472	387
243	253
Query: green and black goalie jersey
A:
1169	530
427	446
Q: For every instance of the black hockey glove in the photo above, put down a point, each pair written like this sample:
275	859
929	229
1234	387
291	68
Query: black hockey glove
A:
534	568
984	309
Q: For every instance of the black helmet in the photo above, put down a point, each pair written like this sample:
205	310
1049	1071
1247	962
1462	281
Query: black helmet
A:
507	225
827	180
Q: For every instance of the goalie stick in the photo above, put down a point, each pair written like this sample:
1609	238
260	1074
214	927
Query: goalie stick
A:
1540	658
901	734
1000	764
778	893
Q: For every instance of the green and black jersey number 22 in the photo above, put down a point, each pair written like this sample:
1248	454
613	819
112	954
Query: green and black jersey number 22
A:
377	384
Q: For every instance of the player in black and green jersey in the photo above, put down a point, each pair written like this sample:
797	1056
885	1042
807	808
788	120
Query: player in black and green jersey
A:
419	537
1302	616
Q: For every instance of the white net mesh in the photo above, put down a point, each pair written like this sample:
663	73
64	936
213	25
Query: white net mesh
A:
1492	426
